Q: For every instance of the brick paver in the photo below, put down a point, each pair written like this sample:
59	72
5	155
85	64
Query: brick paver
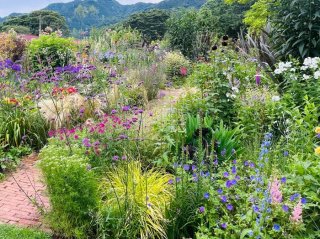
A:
15	206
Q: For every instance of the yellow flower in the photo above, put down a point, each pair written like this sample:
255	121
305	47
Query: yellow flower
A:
317	130
317	150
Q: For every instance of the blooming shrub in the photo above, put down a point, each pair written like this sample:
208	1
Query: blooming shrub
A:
177	65
299	81
11	46
50	50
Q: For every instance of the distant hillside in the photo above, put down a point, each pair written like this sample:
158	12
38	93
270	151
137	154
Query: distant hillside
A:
83	14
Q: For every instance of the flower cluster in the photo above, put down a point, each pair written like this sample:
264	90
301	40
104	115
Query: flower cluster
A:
9	64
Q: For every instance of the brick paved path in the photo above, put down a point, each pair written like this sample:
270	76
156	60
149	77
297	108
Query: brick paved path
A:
15	207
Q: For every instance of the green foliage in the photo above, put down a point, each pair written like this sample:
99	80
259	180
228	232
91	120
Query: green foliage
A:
151	24
174	64
296	28
21	125
17	29
51	50
134	202
43	18
229	17
72	188
216	90
10	158
12	232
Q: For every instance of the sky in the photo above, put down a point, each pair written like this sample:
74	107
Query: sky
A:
25	6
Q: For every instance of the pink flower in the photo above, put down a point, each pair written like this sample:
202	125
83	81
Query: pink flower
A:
297	213
183	71
276	194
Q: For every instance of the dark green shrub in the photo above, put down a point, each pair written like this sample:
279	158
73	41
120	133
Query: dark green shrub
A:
72	189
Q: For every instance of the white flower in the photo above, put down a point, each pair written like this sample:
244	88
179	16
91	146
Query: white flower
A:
283	66
275	98
306	77
235	89
317	75
312	63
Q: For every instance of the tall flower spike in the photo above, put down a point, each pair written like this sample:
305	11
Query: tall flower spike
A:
297	213
276	194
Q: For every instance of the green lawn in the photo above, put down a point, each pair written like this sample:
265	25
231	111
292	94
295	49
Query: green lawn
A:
11	232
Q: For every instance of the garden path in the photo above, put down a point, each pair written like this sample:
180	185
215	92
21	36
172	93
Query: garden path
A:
20	192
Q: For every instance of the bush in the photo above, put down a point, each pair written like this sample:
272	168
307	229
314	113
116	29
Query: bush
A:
72	189
176	65
134	203
11	46
51	50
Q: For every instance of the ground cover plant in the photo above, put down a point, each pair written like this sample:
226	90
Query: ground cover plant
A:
189	135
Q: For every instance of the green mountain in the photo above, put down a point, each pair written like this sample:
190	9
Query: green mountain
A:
84	14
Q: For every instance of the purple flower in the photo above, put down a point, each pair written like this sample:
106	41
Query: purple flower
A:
124	157
126	108
115	158
283	180
86	142
16	67
303	200
230	207
223	152
113	112
234	170
251	165
223	198
186	167
201	209
223	225
220	191
178	179
225	174
230	183
246	163
294	196
258	79
285	208
193	167
255	208
285	153
170	181
206	195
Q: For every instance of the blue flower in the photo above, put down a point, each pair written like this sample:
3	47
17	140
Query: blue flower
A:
234	170
276	227
206	195
224	225
303	200
285	153
225	174
255	209
186	167
201	209
230	207
223	199
294	196
284	180
285	208
219	191
223	152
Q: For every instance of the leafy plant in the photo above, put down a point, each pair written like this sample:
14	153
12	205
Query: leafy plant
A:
134	202
50	50
72	189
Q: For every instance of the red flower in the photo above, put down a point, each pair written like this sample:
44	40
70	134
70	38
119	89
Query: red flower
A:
183	71
71	90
